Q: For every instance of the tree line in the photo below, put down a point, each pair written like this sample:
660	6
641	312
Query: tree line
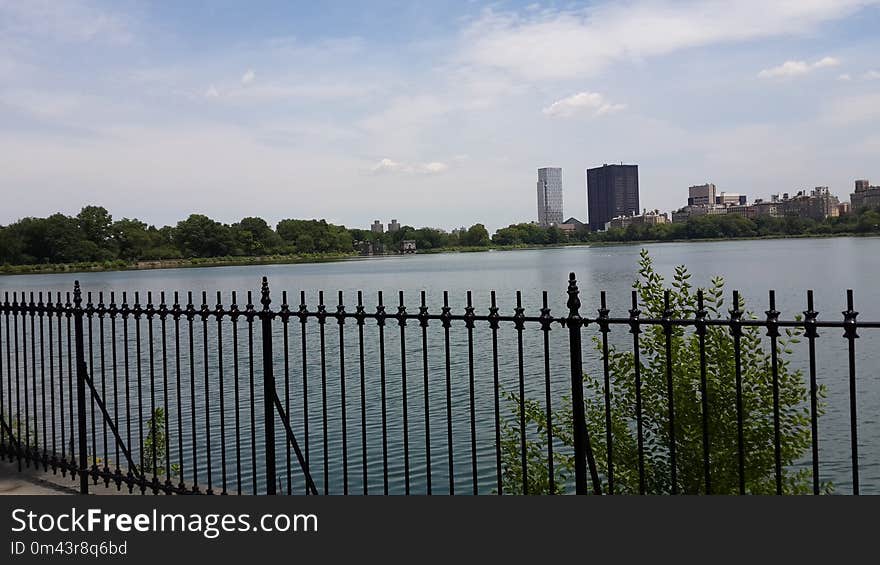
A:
94	236
698	227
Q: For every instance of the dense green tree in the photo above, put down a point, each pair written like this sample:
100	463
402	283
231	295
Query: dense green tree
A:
253	236
11	246
131	238
314	236
200	236
757	402
95	224
476	236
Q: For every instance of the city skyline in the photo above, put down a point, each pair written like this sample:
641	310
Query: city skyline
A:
283	109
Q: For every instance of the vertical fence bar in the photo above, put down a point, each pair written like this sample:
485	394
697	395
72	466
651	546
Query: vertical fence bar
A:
45	455
469	323
218	313
446	321
360	316
4	450
546	320
138	311
233	317
736	330
423	322
670	391
80	388
90	310
37	430
811	333
700	322
609	435
401	322
22	455
250	314
101	311
176	313
124	311
519	314
154	456
61	419
303	319
204	312
268	387
635	329
71	370
285	320
493	325
380	320
22	310
50	310
163	317
340	320
112	311
190	315
583	452
851	334
322	318
773	333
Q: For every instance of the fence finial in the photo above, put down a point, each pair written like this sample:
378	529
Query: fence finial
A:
77	294
574	303
264	291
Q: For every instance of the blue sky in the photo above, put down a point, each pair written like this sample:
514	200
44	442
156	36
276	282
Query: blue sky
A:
434	113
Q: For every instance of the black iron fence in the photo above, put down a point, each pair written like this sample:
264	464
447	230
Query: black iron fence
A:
179	396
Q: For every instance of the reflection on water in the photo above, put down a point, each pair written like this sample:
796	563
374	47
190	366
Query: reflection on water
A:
828	266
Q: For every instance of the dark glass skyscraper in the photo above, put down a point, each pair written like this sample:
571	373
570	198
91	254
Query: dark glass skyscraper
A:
612	190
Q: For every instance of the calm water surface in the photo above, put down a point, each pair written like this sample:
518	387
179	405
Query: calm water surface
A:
827	266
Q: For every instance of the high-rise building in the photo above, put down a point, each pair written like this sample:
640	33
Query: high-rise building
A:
550	196
393	226
612	191
377	227
701	195
865	196
731	199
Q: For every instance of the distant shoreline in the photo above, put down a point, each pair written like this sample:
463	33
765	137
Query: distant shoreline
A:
193	263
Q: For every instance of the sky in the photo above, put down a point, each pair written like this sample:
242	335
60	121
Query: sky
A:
434	113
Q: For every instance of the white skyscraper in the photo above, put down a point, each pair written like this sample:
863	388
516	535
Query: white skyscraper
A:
550	196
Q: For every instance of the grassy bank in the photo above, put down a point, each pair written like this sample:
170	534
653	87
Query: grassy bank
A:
96	267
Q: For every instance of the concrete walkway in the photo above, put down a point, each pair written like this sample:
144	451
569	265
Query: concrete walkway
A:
38	481
31	481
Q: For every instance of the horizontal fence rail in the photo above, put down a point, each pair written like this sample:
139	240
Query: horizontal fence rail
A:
203	394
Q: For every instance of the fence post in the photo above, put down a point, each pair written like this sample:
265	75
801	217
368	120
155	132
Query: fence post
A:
268	387
583	453
81	369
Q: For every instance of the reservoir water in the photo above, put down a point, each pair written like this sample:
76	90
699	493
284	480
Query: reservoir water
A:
789	266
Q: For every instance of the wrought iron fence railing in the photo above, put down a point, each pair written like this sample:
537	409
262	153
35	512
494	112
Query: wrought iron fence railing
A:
186	397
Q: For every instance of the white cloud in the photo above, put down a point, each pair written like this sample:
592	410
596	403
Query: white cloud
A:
212	92
580	104
871	75
558	44
786	69
844	77
248	77
73	21
797	68
826	62
390	166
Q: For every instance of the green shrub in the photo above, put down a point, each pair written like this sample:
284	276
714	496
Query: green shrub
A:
757	399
